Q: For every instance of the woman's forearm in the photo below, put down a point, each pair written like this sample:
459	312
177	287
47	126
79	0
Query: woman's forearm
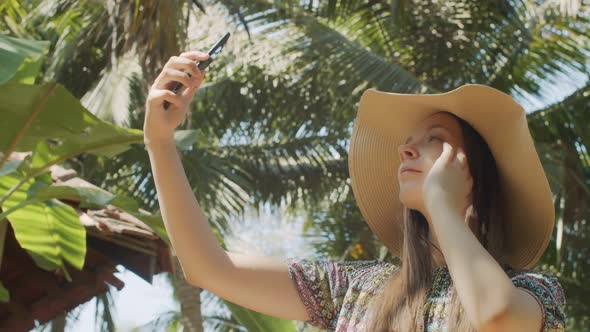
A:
483	287
194	243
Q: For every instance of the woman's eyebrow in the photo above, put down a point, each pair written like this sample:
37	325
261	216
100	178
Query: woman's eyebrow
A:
429	128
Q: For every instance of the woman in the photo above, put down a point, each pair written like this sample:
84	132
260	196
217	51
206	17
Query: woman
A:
451	183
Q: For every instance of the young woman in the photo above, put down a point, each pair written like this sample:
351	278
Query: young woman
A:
451	183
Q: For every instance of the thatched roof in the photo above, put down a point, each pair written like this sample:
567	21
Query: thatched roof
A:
113	237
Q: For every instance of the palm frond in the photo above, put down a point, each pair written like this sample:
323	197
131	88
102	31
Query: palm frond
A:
167	321
317	47
103	313
216	316
563	133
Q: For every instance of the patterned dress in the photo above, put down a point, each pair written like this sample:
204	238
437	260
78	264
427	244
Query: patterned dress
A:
336	294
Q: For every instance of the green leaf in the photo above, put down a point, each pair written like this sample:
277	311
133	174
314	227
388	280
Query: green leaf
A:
92	197
4	294
96	198
185	138
21	59
49	120
155	222
50	231
89	197
255	321
10	166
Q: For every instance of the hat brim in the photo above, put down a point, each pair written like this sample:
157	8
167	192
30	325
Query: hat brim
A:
384	120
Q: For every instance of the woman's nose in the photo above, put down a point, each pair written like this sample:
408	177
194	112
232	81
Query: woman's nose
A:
406	151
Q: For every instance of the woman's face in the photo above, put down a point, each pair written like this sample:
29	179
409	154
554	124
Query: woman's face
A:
421	150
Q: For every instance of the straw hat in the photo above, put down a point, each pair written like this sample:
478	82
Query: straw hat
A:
384	120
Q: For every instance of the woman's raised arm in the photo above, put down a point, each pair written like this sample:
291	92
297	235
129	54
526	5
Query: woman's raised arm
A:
259	283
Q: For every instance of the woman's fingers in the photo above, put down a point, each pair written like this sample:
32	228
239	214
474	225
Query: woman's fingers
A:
195	55
169	75
455	154
464	160
159	95
188	93
447	152
461	157
179	69
184	64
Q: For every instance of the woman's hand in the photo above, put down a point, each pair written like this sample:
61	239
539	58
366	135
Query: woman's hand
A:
160	123
448	184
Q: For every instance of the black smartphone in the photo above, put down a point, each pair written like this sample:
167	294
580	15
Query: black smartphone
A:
213	53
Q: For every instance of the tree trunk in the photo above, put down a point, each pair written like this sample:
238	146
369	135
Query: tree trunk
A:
58	324
189	297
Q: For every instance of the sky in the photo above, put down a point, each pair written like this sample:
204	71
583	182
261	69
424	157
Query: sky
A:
136	304
562	86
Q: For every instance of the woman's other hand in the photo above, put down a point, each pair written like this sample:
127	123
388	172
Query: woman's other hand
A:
448	182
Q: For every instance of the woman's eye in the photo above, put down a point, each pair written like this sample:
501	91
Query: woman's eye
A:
431	137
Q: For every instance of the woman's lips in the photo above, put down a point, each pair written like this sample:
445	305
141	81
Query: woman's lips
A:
408	171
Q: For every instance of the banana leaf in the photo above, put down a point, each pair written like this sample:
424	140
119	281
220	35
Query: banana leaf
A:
50	231
21	59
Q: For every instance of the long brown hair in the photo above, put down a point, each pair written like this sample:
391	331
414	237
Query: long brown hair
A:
400	305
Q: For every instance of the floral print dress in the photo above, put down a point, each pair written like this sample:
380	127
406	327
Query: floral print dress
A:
336	294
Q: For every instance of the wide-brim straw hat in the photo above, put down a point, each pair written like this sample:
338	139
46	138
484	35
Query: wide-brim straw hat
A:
384	120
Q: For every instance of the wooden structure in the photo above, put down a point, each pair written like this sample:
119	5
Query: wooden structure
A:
113	238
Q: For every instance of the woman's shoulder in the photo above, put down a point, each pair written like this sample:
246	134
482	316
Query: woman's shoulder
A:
326	286
540	281
545	287
372	268
349	269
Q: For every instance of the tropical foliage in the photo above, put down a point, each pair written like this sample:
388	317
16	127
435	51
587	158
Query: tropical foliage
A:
47	120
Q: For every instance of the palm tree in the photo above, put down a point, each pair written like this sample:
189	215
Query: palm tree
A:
562	137
189	297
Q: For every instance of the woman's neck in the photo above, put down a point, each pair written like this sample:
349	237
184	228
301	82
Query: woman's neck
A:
438	260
